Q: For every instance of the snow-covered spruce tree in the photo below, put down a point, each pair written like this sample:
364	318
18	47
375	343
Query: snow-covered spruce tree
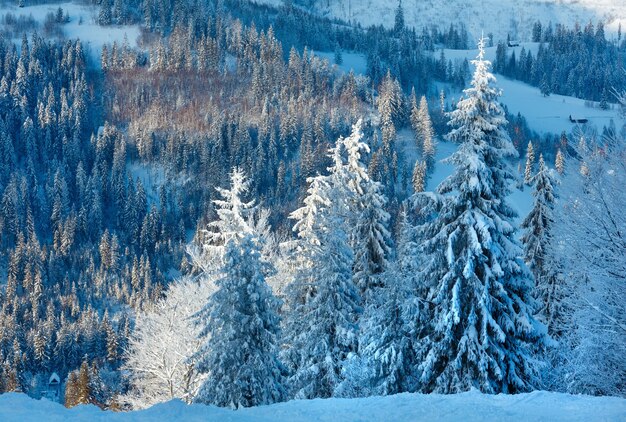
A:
539	247
354	172
372	246
427	135
385	361
241	321
301	288
232	211
414	118
369	237
559	163
423	129
530	163
105	14
399	19
391	109
390	325
419	177
482	328
323	302
236	217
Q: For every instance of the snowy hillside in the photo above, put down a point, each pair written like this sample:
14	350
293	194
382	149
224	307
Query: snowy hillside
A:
81	25
496	16
544	114
472	406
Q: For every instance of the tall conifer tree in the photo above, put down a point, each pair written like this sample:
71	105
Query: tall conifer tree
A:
482	326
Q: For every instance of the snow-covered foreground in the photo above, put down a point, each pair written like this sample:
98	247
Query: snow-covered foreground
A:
467	407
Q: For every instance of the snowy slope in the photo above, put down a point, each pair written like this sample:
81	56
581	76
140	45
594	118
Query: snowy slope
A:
351	61
544	114
467	407
82	25
497	16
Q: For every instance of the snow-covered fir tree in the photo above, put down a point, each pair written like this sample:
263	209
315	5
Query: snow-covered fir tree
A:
529	171
323	302
391	323
241	325
372	246
482	326
539	247
419	176
105	14
369	236
236	218
391	109
422	126
232	210
385	361
399	19
559	163
427	134
414	112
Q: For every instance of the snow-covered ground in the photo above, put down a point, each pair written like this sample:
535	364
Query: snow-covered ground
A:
490	52
551	114
82	25
351	61
499	17
544	114
466	407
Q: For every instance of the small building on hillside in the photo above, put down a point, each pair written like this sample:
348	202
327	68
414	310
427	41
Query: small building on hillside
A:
578	119
53	390
513	43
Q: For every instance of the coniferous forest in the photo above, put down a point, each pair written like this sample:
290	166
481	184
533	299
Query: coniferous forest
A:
224	212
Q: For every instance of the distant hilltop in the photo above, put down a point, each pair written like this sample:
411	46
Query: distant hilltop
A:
502	18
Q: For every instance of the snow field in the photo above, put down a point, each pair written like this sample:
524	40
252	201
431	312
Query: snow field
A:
82	25
467	407
543	114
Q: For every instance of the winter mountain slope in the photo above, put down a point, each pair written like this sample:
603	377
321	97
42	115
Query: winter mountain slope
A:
468	407
543	114
496	16
82	25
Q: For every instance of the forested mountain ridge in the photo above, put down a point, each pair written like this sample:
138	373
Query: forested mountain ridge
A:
492	16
